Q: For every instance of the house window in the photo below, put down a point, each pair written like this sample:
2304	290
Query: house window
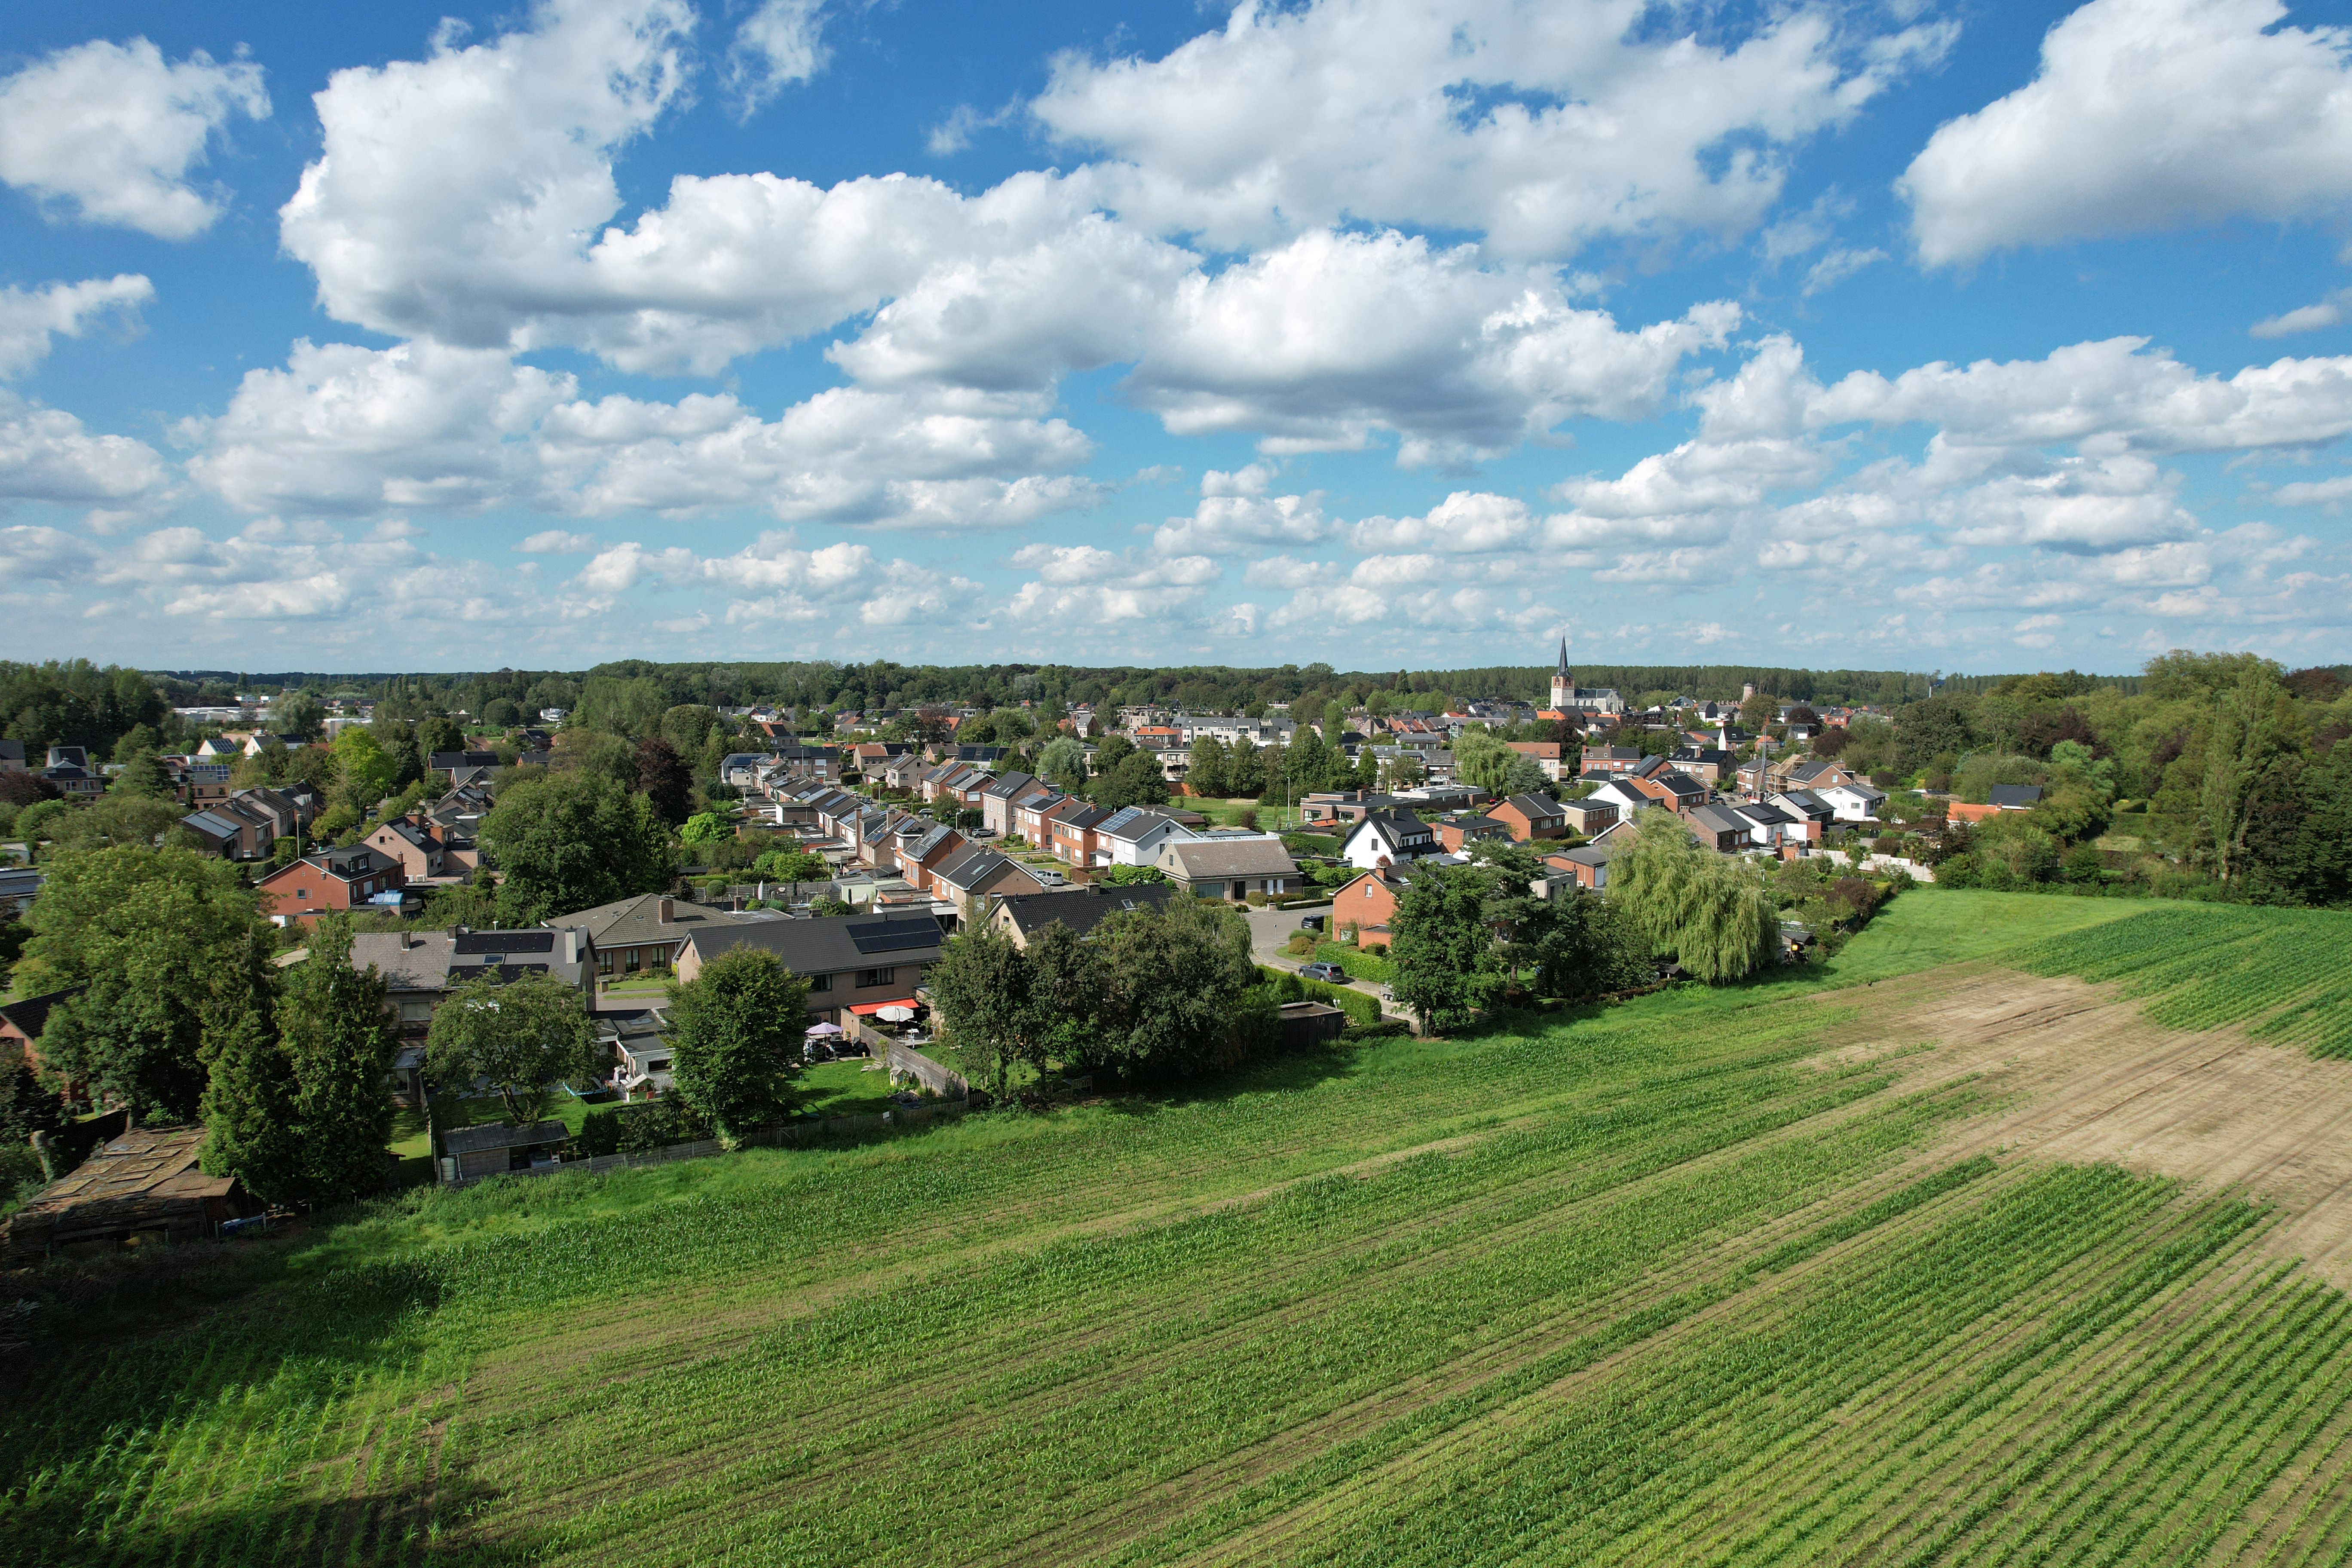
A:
301	892
820	981
1368	889
868	977
604	964
635	960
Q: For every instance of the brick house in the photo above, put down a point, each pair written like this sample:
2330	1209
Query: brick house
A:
1530	817
1545	752
853	964
1587	818
327	880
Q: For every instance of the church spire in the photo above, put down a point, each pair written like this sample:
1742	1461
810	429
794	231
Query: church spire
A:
1563	656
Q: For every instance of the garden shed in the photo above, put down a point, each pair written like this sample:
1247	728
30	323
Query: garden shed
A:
140	1188
469	1153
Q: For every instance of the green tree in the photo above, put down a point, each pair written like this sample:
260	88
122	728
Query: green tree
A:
1710	910
161	942
117	818
297	715
985	996
1447	966
518	1037
665	781
1483	759
436	733
252	1127
792	866
1135	779
144	775
1924	729
27	1106
705	827
364	772
1244	771
736	1031
1172	975
335	1032
2252	756
570	841
1063	764
1205	768
830	909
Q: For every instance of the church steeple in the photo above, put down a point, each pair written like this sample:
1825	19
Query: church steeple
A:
1563	684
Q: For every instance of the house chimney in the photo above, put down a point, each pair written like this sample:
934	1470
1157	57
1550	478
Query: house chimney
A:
667	910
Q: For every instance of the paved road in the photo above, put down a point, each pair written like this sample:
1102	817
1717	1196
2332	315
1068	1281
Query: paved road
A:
1269	929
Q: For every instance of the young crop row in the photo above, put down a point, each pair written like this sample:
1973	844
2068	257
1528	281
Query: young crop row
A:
2201	966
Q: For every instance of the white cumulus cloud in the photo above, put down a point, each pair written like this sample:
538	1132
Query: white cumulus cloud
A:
107	132
29	318
2146	114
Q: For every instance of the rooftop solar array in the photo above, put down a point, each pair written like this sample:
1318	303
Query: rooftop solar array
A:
541	941
892	935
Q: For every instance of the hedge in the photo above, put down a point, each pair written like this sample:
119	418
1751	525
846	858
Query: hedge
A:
1359	964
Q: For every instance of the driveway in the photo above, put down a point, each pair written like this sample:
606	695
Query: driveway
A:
1269	929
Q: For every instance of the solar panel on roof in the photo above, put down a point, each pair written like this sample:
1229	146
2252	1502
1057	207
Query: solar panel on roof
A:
506	942
891	935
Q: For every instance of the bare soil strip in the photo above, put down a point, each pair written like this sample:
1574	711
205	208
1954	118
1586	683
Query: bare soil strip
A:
2088	1077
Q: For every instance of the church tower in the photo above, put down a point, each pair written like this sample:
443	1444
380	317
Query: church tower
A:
1563	684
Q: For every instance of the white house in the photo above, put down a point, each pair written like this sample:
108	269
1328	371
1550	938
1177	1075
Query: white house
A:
1853	801
1134	835
1389	838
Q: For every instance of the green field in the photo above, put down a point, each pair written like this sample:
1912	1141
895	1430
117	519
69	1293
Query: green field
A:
1679	1281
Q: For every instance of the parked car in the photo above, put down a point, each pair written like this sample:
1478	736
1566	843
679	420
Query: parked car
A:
1312	922
1050	878
1331	972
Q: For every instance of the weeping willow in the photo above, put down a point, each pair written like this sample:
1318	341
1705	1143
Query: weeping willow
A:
1711	911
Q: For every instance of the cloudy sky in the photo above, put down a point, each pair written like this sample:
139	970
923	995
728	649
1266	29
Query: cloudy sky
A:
1380	332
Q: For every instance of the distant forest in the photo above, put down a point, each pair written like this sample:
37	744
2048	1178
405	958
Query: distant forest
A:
886	684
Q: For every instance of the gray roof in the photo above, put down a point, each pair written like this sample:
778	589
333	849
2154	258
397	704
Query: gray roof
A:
498	1135
1585	855
1532	806
969	866
1081	909
638	919
1210	858
2014	794
831	946
1715	819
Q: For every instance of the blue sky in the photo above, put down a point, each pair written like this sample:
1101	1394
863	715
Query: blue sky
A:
1388	334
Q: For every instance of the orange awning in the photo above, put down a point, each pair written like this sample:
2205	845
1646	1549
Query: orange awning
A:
878	1006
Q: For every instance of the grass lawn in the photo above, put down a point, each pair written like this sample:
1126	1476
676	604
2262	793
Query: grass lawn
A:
843	1088
1739	1275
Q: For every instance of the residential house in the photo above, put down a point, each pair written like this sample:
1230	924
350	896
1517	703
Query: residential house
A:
853	964
1232	867
1033	817
921	857
226	828
1389	838
996	800
1611	760
2000	799
1073	840
1587	865
330	879
421	968
1545	752
976	877
1529	816
1459	834
12	757
1720	828
1709	764
410	841
1588	817
1023	916
645	933
1367	900
465	761
1772	828
1858	802
1343	805
1132	835
1819	776
640	1055
1804	805
70	773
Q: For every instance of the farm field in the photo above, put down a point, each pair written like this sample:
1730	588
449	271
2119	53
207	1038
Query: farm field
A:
2014	1237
